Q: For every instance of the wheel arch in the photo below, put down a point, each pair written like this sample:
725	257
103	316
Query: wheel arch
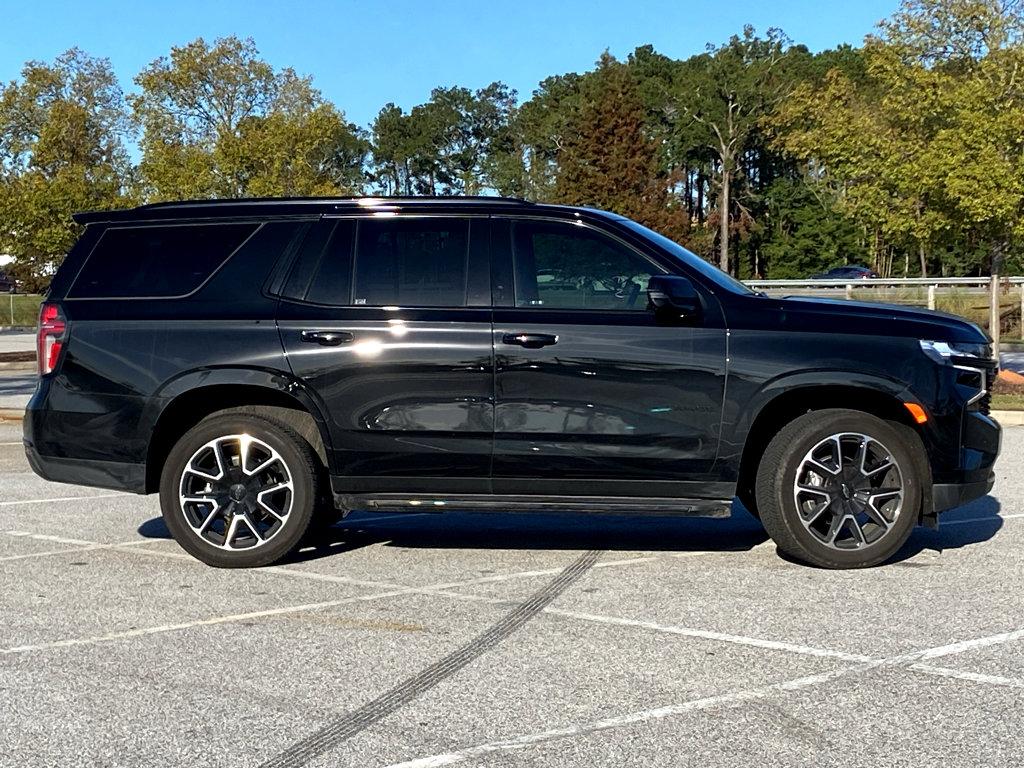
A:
191	398
784	404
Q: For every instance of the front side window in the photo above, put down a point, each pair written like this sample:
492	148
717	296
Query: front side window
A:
411	262
561	265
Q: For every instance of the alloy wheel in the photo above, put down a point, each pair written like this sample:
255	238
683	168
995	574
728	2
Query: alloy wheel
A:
236	492
848	491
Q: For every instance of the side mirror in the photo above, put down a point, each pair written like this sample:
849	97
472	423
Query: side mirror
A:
674	299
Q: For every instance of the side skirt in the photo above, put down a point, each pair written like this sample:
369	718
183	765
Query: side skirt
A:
518	503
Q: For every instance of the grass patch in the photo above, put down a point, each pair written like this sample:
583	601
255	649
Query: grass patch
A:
19	309
1003	402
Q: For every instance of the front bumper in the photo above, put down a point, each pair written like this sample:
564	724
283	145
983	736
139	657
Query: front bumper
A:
946	496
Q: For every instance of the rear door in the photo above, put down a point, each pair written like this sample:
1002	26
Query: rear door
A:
593	396
387	320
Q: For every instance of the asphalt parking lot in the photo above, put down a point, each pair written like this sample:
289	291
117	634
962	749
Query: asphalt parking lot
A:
469	640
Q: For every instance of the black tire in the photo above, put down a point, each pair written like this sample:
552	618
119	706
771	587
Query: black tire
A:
777	496
299	462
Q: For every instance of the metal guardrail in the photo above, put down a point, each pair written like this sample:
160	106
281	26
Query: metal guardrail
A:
993	286
879	282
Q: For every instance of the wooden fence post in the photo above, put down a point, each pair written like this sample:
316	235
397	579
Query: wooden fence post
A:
993	314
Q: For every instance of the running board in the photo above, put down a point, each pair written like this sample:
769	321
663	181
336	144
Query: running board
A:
498	503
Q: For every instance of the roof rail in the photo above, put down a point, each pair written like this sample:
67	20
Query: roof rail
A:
85	217
334	199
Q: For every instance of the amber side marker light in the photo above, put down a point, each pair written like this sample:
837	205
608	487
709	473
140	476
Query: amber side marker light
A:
917	413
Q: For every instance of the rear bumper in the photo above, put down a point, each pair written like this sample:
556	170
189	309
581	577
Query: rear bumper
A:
120	476
88	472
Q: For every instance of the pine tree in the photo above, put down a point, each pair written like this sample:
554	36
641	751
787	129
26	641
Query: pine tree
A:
607	160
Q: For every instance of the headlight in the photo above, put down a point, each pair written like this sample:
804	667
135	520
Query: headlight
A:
956	352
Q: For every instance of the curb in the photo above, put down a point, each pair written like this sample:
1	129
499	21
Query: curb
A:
17	365
1008	418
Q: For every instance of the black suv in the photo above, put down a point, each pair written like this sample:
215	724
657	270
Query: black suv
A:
269	365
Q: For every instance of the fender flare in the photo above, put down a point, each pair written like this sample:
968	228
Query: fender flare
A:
786	384
272	380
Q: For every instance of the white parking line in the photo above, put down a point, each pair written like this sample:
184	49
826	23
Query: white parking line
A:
13	443
66	550
391	591
437	588
444	590
643	716
62	499
760	643
136	632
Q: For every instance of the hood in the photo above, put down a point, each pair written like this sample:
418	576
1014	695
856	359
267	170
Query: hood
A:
850	317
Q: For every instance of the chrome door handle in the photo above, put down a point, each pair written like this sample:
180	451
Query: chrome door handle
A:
530	341
328	338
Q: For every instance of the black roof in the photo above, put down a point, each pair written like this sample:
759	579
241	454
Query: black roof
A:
301	206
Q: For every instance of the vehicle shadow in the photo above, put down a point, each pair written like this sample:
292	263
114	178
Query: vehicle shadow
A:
970	524
525	531
967	525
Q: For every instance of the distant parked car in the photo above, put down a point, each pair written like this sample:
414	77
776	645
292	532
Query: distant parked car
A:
7	285
855	271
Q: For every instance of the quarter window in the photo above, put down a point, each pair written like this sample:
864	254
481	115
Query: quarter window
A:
566	266
162	261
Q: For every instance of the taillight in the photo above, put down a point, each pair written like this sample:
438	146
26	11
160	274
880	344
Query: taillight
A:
50	338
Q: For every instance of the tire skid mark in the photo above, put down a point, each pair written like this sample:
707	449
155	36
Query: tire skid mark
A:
345	726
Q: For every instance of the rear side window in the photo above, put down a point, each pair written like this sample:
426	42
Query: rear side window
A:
161	261
411	262
322	274
382	263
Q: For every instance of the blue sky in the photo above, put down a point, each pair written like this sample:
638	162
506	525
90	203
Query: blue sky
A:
365	54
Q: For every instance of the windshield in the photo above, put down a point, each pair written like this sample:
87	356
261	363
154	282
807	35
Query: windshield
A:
690	259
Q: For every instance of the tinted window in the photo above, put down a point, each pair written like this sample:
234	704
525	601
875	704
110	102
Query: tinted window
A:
690	259
323	271
157	261
562	265
411	262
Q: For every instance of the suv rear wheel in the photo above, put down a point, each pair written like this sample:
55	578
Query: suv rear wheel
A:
239	490
839	488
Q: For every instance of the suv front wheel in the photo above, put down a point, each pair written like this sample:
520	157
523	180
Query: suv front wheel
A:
239	490
839	488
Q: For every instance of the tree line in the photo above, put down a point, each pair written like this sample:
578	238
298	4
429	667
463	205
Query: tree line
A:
906	154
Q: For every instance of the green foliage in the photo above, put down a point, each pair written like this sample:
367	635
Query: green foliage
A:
218	121
448	146
927	148
806	234
606	160
906	153
62	131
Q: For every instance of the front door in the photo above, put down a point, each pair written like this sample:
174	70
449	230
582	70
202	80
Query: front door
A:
387	320
593	396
